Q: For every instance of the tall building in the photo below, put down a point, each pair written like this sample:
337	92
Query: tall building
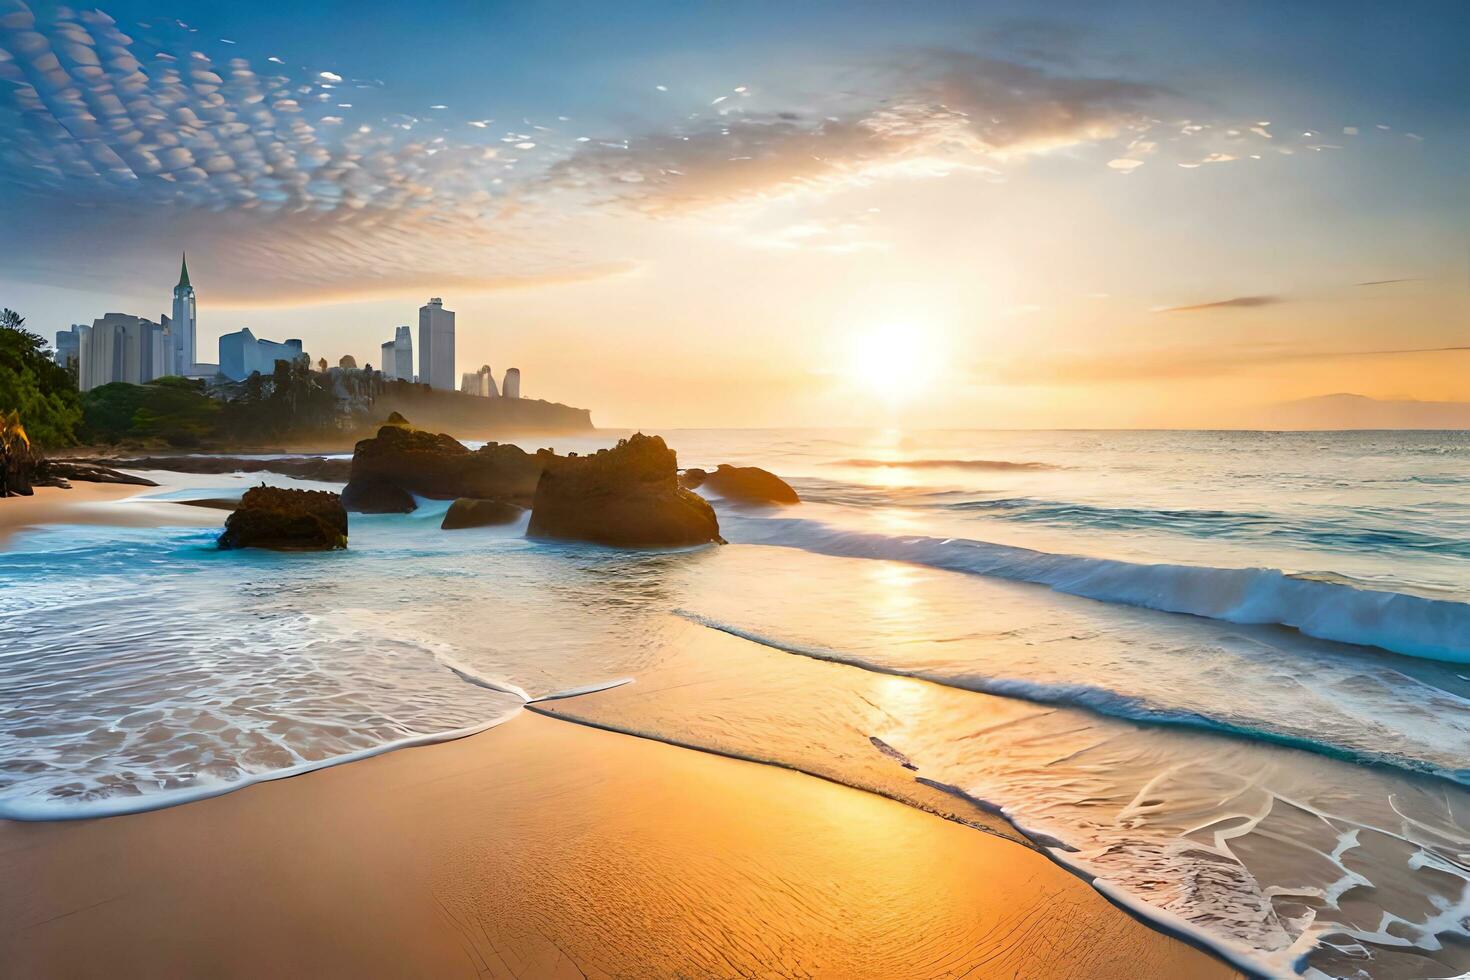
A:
481	382
436	345
66	345
397	363
183	324
118	347
241	354
512	386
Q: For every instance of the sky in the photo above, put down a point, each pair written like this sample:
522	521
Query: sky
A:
710	214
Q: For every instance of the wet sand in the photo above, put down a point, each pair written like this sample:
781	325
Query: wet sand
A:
95	503
544	848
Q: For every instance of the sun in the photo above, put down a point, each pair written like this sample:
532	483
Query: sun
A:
896	362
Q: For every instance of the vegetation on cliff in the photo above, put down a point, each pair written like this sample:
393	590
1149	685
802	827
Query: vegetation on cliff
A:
33	385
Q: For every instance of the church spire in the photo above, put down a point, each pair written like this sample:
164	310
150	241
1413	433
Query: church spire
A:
184	272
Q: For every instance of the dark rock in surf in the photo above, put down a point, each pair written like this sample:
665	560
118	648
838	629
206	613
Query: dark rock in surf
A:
693	478
628	496
287	520
377	497
749	485
438	466
468	512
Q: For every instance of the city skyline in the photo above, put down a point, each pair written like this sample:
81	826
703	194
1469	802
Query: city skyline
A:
991	205
126	347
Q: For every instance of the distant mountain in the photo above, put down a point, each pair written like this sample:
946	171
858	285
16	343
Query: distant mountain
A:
1345	411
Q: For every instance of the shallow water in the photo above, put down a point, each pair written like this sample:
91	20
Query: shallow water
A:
1224	674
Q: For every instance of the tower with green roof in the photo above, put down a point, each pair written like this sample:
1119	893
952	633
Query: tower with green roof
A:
183	324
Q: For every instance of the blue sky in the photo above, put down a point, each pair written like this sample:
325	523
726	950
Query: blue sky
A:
593	165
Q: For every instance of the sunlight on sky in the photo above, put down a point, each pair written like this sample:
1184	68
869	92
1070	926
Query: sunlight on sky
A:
919	215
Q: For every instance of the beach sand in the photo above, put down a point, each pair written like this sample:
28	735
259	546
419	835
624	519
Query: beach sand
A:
544	848
96	503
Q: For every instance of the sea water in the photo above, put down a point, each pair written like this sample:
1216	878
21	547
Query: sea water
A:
1225	676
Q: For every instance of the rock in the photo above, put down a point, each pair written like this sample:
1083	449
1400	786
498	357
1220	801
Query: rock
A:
438	466
628	496
468	512
749	485
63	470
287	520
692	478
395	419
303	468
377	497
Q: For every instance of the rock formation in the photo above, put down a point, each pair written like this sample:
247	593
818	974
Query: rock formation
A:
628	496
303	468
747	485
377	497
58	472
468	512
287	520
438	466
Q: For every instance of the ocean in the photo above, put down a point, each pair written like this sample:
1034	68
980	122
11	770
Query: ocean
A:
1225	676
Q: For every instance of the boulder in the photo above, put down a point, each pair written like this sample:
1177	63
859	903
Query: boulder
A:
287	520
693	478
377	497
438	466
749	485
628	496
469	512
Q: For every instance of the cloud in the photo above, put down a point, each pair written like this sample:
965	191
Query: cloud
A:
1235	302
1388	282
107	139
933	114
1164	364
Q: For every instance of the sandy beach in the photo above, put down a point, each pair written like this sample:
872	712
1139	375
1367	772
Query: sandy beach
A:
549	849
89	503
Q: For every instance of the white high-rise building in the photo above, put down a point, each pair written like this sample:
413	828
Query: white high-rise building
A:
512	386
397	362
183	324
436	345
120	347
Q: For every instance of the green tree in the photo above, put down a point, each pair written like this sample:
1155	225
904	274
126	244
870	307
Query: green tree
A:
31	383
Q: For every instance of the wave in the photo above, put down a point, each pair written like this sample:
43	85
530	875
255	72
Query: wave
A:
946	464
112	806
1100	700
1415	626
1321	532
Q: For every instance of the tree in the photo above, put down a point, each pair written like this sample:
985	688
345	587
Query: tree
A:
31	383
15	454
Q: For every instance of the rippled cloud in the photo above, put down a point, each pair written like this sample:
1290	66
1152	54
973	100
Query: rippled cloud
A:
120	146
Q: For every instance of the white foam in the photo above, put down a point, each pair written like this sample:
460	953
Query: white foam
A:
1416	626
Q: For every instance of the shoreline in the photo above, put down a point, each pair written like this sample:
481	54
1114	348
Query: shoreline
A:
543	848
90	503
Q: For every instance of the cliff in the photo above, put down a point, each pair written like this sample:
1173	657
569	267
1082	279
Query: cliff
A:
473	417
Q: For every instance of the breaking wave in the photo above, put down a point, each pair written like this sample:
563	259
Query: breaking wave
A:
1415	626
945	464
1098	699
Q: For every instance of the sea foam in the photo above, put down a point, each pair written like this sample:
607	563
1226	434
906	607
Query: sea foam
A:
1415	626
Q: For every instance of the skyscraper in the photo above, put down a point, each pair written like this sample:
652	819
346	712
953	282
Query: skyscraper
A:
397	362
436	345
512	386
118	347
183	324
